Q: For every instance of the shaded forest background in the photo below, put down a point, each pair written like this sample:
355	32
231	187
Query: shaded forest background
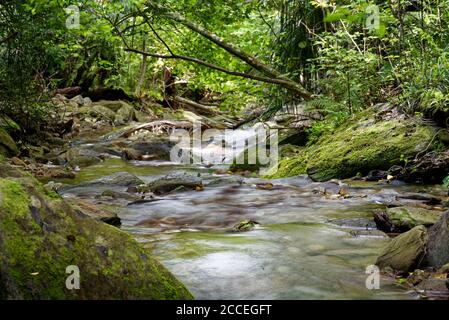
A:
336	58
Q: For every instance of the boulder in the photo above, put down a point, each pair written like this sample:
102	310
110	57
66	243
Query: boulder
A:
405	252
82	157
438	245
119	179
365	143
124	115
102	113
113	105
375	175
159	148
401	219
174	182
41	235
89	209
7	145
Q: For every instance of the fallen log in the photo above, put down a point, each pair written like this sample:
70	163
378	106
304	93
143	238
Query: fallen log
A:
158	127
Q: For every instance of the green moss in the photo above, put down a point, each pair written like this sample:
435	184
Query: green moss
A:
358	147
7	145
40	235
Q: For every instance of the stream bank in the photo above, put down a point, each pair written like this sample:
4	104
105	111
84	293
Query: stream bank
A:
312	239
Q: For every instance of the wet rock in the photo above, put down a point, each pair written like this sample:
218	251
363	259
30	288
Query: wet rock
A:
356	147
158	148
119	179
376	175
438	245
79	100
245	225
401	219
124	115
176	182
430	168
18	162
444	269
53	186
7	145
395	170
89	209
41	235
405	252
432	288
55	173
131	154
360	223
113	105
418	276
79	157
118	195
139	189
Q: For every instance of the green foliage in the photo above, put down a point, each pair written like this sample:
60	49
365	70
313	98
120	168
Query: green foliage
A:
446	182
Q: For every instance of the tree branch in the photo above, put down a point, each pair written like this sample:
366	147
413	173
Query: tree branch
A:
211	66
245	57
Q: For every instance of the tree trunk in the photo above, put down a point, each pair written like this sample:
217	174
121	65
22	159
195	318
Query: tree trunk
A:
143	69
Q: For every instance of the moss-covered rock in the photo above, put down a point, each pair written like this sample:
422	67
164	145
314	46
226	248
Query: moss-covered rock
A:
402	219
41	235
405	252
82	157
362	145
7	145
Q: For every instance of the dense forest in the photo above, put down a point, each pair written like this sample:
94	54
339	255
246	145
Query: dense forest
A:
357	92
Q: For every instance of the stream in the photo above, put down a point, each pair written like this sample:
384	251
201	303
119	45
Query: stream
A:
310	244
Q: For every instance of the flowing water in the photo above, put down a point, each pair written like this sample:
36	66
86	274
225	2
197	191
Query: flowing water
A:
311	243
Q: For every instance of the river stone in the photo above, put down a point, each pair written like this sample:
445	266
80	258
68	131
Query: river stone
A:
438	245
7	145
158	147
119	179
124	115
174	182
37	245
405	252
82	157
403	219
113	105
86	208
102	113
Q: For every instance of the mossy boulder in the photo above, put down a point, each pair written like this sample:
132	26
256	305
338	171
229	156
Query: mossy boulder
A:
405	252
438	245
362	145
401	219
79	157
7	145
41	235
